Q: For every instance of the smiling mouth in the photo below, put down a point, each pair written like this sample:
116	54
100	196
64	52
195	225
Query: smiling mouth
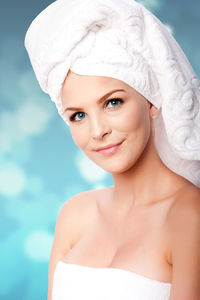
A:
109	149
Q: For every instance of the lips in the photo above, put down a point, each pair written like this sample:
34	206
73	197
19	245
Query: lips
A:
109	149
108	146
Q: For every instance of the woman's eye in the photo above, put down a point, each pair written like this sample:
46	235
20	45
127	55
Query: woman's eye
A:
77	116
114	102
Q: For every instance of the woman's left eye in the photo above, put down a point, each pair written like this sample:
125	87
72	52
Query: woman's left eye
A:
114	102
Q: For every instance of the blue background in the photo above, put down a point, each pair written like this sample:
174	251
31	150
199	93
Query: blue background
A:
40	166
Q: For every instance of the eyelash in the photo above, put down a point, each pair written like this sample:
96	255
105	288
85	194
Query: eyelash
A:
120	101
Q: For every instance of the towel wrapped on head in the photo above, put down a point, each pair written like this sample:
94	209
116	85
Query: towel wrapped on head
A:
123	40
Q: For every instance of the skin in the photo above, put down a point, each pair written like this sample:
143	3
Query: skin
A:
147	206
137	160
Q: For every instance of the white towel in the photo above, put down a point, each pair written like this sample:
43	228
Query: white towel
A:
123	40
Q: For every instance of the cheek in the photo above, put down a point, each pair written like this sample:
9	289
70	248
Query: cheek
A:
133	118
80	139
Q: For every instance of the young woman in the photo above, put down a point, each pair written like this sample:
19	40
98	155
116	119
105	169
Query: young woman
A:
131	99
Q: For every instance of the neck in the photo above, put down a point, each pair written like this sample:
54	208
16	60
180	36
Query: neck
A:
148	181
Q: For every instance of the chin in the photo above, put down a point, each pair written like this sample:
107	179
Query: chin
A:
116	165
118	169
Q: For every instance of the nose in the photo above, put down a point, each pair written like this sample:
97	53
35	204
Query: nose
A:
99	128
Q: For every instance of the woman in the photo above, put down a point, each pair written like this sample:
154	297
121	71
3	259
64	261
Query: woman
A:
131	99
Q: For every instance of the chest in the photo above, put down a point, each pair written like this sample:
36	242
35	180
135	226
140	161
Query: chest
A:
137	244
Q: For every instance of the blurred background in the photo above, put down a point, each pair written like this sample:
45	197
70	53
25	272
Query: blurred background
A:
40	166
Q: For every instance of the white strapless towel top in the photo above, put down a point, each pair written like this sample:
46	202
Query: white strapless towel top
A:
76	282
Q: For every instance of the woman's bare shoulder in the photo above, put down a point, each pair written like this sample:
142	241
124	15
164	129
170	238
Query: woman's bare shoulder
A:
184	232
83	200
82	206
78	202
183	213
77	206
185	202
73	219
76	215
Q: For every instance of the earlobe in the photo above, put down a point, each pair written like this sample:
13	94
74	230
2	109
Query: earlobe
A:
153	111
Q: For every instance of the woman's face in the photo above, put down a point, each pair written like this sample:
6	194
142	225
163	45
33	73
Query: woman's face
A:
104	111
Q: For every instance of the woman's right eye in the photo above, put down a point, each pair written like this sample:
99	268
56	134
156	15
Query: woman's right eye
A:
80	116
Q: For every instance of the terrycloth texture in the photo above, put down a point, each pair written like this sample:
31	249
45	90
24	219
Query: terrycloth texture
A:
123	40
75	282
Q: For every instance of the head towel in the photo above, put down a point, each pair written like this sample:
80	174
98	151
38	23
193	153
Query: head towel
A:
123	40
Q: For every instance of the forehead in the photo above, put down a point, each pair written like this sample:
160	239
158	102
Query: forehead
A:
78	85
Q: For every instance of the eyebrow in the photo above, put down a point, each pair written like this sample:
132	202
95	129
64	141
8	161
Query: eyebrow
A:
99	101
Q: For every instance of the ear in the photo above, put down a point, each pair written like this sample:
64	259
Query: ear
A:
153	111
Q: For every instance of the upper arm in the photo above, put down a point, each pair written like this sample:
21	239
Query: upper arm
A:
70	224
185	250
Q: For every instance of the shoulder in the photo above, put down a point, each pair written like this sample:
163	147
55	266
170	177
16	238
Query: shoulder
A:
184	225
81	203
183	218
78	212
77	209
72	220
77	204
186	205
74	217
